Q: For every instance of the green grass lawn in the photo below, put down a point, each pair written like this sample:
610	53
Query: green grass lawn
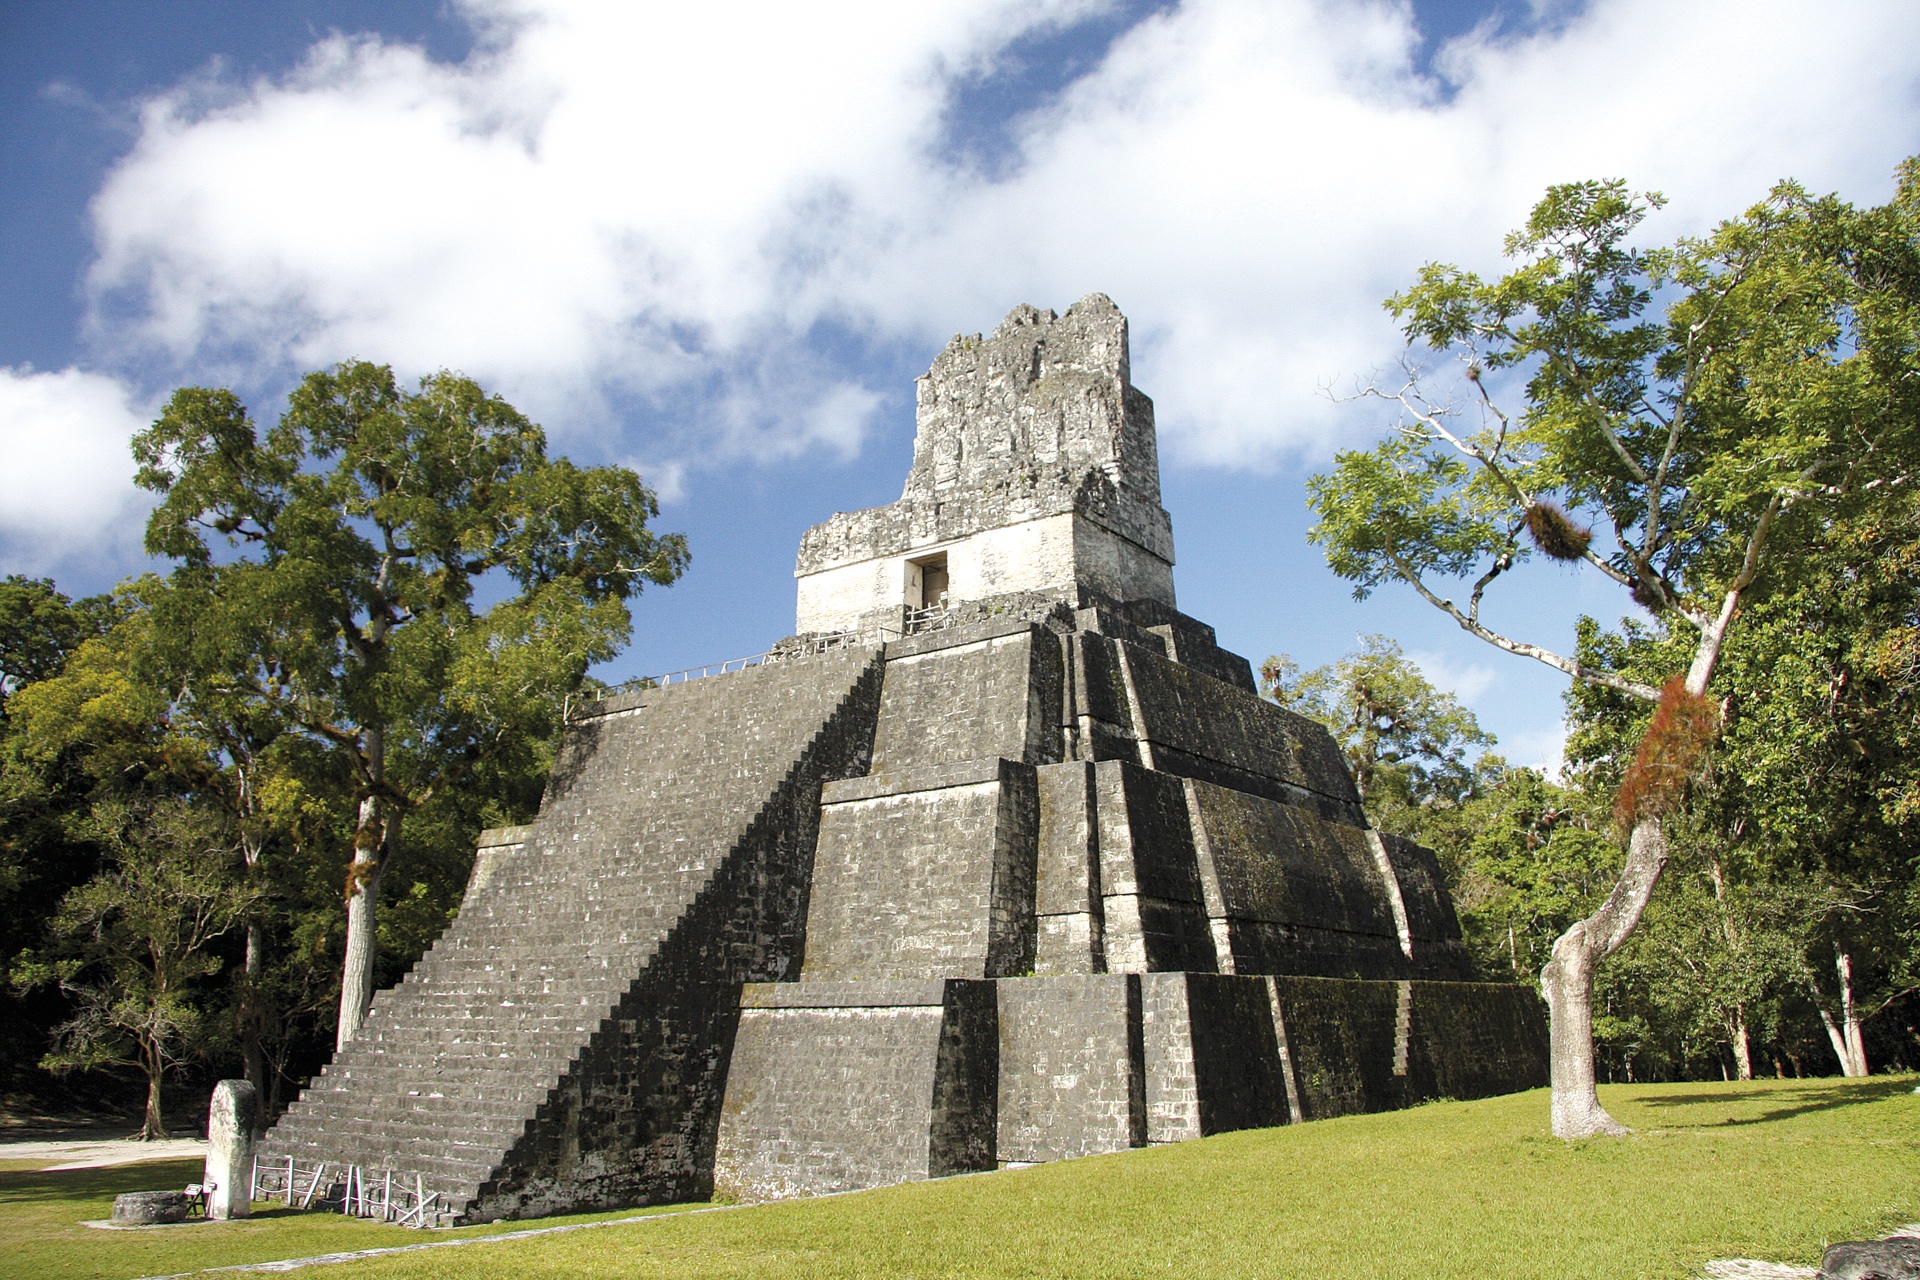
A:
41	1236
1773	1169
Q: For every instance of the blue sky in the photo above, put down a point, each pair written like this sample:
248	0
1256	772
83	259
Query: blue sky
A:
718	242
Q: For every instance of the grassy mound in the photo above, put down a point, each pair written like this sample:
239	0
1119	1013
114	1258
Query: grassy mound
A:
1773	1169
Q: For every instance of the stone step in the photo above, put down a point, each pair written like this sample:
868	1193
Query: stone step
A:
513	1022
449	1158
509	997
376	1126
482	1073
491	1110
465	1154
531	1040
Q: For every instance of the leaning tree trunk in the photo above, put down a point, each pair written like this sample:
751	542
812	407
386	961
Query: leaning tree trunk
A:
1848	1039
1567	983
1850	1018
372	836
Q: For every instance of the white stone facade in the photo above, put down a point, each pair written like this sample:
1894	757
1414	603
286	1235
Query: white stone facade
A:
1053	554
1035	470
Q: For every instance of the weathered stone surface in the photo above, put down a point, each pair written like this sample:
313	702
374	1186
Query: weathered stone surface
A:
1035	877
1035	467
1359	1046
997	697
149	1208
1072	1067
1213	1064
1477	1039
1154	908
1196	726
1894	1259
1433	929
1296	893
926	884
850	1084
231	1118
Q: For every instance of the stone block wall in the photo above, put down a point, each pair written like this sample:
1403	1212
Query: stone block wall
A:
1154	906
843	1085
1297	894
1375	1046
987	691
926	873
1433	929
1072	1067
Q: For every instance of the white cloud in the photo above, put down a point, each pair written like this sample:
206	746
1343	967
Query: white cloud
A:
66	487
1468	681
1542	749
613	208
1248	180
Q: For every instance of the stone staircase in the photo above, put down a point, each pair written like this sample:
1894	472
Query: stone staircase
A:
558	1040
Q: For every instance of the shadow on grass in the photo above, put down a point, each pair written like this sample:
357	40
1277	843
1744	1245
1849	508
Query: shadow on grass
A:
38	1186
1805	1101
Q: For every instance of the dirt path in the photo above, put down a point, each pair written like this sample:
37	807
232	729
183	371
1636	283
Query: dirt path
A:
99	1153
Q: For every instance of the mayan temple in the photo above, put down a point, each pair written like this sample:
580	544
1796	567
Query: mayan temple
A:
998	860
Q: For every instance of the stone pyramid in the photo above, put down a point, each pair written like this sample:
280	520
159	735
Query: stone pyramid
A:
998	860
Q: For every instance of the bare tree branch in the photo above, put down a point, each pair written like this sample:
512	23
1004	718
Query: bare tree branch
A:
1578	670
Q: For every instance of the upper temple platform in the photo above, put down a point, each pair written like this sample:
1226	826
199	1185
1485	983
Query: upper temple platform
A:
1034	470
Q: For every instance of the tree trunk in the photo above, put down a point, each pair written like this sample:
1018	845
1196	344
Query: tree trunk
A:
250	1018
1838	1039
1854	1062
372	833
1567	982
1845	1035
363	890
153	1126
1737	1019
1742	1045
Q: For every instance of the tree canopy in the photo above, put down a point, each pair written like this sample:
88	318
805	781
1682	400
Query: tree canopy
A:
1691	415
332	581
1393	725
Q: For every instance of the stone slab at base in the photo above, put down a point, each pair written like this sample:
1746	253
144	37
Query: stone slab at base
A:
149	1208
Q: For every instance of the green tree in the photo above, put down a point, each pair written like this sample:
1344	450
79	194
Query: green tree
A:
1705	405
1811	785
133	945
1525	858
328	573
40	627
43	794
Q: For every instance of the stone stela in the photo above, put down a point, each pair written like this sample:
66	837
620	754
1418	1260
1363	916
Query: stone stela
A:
1017	868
